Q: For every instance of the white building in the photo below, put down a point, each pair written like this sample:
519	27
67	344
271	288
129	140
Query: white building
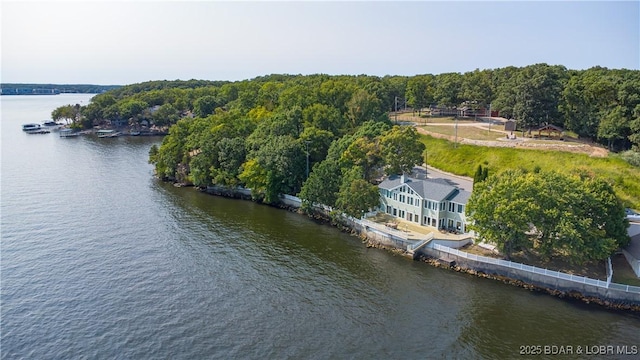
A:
431	202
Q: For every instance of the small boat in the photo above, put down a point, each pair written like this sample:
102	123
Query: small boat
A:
39	131
51	123
30	127
107	134
68	133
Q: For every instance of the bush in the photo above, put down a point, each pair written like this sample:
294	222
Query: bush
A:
632	157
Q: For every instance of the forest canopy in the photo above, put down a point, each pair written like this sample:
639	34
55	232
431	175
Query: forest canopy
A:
326	137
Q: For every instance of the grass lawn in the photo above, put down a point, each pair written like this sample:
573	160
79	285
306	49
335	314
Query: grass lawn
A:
464	159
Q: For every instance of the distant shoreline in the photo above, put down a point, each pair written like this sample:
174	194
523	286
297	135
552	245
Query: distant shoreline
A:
53	89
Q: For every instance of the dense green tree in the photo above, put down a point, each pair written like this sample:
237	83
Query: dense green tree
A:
481	174
279	124
323	184
317	142
132	109
69	113
357	196
166	114
363	107
231	156
477	87
613	126
173	151
499	210
447	89
323	117
268	94
396	90
366	154
336	93
575	217
419	92
536	95
634	127
297	95
401	149
281	162
584	100
254	176
205	106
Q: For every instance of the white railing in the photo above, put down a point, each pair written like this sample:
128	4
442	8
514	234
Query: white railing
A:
537	270
378	227
415	246
609	271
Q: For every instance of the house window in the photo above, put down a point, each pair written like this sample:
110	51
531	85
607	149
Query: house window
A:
410	216
451	207
460	208
450	223
401	214
416	218
388	209
426	203
458	225
395	212
410	200
442	205
425	220
395	196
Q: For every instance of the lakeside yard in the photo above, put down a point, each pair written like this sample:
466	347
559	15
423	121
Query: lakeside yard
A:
622	272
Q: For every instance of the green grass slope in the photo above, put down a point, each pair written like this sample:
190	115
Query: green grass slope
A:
464	159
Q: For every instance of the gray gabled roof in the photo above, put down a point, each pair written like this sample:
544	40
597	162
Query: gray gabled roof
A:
432	189
460	197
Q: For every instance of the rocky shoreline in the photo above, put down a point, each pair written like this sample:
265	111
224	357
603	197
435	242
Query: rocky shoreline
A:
369	243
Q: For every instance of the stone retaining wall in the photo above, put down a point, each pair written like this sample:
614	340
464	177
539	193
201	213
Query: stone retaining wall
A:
554	284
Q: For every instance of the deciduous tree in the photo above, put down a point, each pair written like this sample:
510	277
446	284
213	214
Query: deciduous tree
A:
401	149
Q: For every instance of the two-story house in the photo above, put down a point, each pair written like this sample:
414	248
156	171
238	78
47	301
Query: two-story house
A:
428	202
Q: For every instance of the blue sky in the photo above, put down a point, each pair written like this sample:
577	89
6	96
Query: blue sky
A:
122	42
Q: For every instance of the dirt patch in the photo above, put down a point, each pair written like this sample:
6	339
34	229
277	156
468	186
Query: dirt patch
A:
567	146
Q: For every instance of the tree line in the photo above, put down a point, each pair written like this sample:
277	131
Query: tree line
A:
64	88
599	104
329	140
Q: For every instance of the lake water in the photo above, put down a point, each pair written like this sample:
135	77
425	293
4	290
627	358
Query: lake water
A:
99	260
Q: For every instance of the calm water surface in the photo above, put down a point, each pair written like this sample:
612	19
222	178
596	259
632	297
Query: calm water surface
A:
99	260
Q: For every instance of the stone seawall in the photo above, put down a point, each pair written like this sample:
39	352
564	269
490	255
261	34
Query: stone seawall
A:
608	297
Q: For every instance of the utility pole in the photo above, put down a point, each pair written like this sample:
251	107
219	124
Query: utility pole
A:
396	112
455	144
